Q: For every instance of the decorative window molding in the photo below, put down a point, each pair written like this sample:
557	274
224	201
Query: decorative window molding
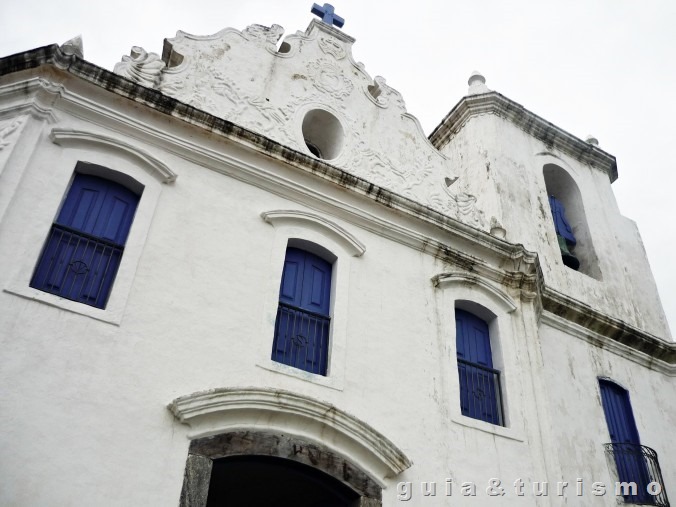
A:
312	220
468	292
319	235
156	167
480	390
109	165
229	409
498	296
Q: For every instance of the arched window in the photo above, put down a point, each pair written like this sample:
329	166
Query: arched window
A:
570	222
303	316
84	247
480	392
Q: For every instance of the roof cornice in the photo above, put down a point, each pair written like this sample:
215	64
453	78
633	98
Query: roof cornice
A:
551	135
52	55
606	332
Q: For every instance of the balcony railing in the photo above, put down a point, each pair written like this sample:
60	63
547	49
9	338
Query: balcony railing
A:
638	464
480	396
78	266
301	339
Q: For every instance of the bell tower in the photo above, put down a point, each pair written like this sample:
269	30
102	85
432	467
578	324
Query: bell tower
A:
551	191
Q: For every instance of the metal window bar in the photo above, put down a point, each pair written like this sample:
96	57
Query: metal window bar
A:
77	266
480	392
301	339
638	464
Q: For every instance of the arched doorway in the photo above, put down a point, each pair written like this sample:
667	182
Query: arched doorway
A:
289	426
262	481
262	469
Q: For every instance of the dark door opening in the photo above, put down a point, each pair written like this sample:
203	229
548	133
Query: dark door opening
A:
264	481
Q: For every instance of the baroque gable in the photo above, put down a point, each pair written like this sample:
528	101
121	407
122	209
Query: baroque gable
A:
308	93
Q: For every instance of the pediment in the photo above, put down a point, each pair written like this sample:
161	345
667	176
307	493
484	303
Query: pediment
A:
306	92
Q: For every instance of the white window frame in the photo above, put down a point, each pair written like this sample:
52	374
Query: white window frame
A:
110	159
498	309
303	229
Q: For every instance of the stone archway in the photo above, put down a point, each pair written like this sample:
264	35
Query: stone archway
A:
253	421
255	456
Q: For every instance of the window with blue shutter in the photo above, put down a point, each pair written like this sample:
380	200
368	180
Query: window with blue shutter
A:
627	450
302	326
82	253
479	381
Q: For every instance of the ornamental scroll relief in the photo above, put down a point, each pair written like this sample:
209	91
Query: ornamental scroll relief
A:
241	77
7	130
141	67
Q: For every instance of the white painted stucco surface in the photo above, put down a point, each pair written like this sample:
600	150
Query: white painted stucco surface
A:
84	408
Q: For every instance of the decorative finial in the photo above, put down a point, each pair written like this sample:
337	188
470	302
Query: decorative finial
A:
73	47
592	140
328	15
477	83
497	229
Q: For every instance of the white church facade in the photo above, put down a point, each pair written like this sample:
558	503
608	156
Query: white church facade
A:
239	273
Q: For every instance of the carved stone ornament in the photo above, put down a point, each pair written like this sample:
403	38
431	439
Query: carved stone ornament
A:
462	205
263	35
332	47
141	67
384	96
329	77
241	77
7	129
73	46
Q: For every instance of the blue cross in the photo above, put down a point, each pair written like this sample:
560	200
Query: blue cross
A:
328	15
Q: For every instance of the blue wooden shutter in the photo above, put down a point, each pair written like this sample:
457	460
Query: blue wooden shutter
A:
629	459
84	247
618	412
302	324
479	384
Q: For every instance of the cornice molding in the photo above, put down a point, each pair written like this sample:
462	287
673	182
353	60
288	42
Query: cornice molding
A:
227	408
583	321
551	135
40	107
121	86
609	344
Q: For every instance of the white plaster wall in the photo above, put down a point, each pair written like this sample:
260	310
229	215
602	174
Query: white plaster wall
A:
88	398
85	418
506	165
578	423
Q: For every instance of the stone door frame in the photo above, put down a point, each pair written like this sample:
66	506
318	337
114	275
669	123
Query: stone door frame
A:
204	450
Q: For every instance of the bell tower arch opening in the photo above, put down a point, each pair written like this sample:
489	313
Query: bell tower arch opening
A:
570	221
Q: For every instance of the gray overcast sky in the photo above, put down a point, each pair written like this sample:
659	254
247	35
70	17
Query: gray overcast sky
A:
601	67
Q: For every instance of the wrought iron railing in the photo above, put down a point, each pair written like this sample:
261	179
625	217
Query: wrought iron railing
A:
301	339
480	393
78	266
638	465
